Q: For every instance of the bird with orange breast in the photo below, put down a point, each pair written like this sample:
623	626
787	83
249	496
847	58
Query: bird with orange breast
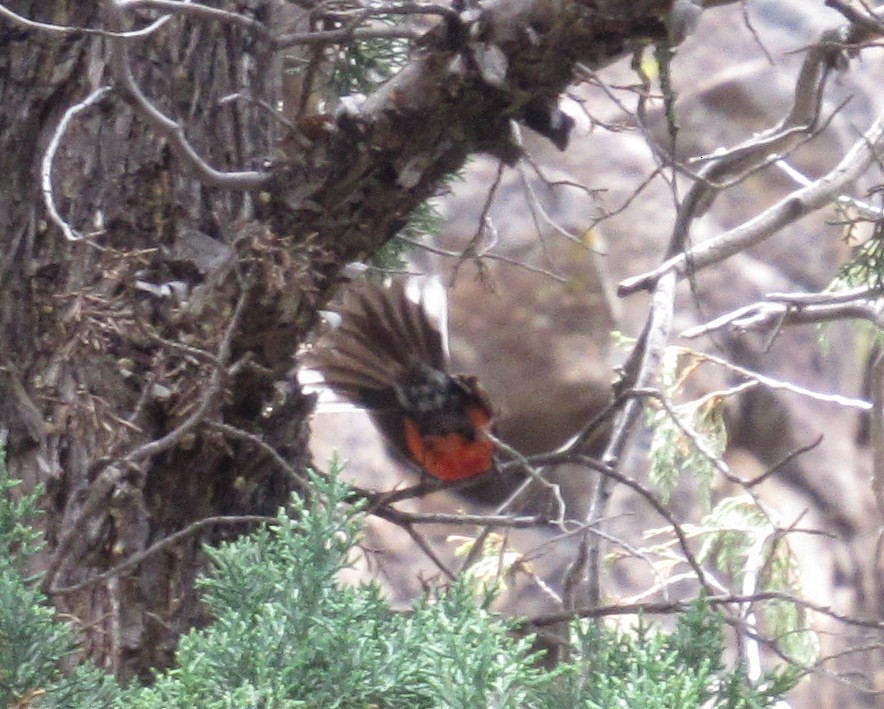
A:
387	356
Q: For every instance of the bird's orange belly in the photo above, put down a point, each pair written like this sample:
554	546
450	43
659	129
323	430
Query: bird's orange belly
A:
451	457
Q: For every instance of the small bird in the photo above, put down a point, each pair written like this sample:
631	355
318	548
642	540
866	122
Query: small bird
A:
386	356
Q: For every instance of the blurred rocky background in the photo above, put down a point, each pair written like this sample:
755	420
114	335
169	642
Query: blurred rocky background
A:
533	319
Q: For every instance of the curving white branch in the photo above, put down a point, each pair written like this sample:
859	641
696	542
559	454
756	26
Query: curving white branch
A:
49	158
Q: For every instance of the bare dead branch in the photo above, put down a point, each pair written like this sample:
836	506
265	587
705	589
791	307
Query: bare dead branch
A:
484	226
263	105
791	139
200	11
786	460
209	397
537	476
829	298
283	464
73	538
579	529
868	21
748	157
752	575
640	372
395	515
779	310
517	500
460	255
166	127
133	561
425	547
616	476
772	220
877	434
865	209
537	206
17	19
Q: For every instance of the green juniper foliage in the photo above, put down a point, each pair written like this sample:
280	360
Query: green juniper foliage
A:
361	66
737	537
287	633
674	454
647	669
34	645
425	220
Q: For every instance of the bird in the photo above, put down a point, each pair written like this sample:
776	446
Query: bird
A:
384	354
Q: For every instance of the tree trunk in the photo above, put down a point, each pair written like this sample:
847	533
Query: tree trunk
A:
113	341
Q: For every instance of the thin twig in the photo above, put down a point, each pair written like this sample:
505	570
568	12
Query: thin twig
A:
681	606
616	476
425	547
647	360
696	440
341	36
136	559
772	383
779	465
392	514
780	309
460	255
213	390
870	21
239	433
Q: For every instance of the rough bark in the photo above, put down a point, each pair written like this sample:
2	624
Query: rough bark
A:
143	367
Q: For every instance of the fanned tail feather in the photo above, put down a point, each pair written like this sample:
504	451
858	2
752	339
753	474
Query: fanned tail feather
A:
381	335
